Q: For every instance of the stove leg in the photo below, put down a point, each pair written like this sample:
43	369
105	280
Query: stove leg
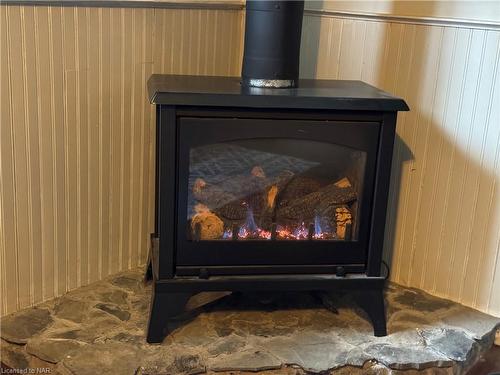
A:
372	302
164	306
148	275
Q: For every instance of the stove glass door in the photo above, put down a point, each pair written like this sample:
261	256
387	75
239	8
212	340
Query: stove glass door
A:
274	189
250	184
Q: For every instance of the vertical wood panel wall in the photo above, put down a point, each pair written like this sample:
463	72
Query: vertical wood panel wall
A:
76	135
76	138
443	232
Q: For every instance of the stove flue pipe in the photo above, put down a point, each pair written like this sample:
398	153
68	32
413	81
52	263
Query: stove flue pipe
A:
272	43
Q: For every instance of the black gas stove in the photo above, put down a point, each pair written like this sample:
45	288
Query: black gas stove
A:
269	189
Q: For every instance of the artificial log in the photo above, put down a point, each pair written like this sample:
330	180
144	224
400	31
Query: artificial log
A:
211	196
298	187
343	219
217	195
235	210
285	199
311	204
207	226
234	232
224	199
333	194
236	187
343	183
232	201
266	215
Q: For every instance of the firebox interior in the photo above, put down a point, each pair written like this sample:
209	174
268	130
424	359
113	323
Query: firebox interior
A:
274	189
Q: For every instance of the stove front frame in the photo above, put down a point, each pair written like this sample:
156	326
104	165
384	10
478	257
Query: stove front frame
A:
174	284
231	257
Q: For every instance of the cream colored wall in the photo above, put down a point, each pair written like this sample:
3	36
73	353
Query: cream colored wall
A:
471	11
443	232
76	135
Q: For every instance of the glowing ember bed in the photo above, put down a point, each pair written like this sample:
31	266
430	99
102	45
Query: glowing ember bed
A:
262	189
274	189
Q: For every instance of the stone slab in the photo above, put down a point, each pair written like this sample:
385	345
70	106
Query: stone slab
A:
251	359
100	328
19	328
53	350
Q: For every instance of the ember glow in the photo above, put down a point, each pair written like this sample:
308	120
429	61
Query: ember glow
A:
228	234
322	231
299	233
250	231
245	234
319	234
283	233
257	234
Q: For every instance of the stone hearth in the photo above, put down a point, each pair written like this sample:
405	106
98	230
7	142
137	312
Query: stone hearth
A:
101	329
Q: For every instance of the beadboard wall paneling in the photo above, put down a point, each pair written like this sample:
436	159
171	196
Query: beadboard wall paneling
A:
469	12
443	226
77	135
77	138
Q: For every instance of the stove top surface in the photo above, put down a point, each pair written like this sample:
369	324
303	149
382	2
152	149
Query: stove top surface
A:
215	91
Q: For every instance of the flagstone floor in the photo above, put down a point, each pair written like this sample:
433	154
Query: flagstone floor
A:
99	329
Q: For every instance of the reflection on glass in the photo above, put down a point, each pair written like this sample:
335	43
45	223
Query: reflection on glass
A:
274	189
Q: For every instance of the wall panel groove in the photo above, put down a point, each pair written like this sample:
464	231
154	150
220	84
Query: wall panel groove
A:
77	135
422	256
444	209
390	228
487	204
443	94
474	184
77	138
10	201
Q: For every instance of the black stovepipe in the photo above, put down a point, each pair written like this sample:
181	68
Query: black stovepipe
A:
272	43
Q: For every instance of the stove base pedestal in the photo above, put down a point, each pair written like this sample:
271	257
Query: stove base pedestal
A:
372	302
164	307
169	296
148	274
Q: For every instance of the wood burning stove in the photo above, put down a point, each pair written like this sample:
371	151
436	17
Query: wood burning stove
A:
269	189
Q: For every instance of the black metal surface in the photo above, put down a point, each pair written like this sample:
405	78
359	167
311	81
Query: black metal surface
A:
174	142
198	110
372	302
381	194
280	114
163	308
206	91
269	283
269	270
170	296
166	190
199	131
272	40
